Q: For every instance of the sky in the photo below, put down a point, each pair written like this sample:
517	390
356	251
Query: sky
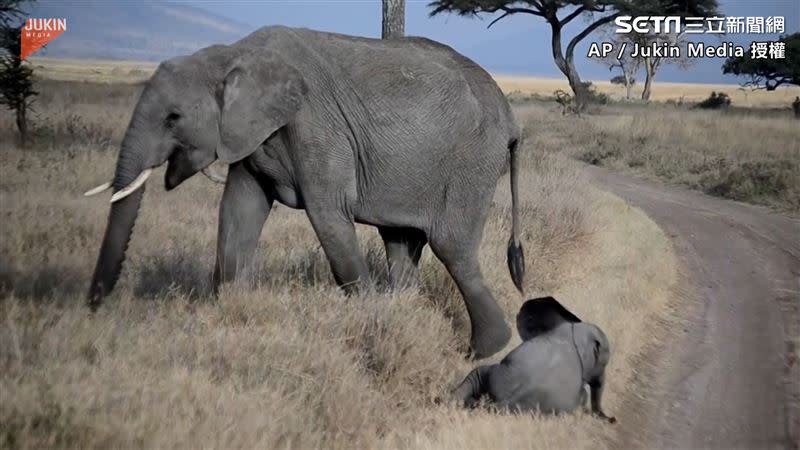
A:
518	44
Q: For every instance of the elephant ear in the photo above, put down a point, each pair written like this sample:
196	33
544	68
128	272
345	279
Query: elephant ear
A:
541	315
259	95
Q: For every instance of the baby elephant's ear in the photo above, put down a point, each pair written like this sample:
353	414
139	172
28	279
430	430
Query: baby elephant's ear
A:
260	93
541	315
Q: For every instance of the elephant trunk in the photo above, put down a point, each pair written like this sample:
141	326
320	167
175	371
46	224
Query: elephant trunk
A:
120	223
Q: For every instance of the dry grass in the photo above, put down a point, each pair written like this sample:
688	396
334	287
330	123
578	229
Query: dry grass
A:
135	72
291	362
662	92
97	71
753	157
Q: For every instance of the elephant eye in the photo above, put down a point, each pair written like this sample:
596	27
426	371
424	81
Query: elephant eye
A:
172	117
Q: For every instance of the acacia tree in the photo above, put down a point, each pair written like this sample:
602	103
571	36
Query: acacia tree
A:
16	79
627	79
653	63
394	19
560	13
768	73
628	65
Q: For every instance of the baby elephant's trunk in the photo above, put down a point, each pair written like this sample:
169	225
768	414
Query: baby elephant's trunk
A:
515	255
469	392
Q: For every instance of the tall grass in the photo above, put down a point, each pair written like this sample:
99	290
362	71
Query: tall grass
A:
747	157
287	361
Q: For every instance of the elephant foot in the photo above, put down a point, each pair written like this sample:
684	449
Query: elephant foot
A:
602	416
486	341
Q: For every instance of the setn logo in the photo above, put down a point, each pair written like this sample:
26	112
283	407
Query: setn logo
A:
647	24
39	32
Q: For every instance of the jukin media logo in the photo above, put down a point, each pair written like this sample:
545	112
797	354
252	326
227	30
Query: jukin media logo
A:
39	32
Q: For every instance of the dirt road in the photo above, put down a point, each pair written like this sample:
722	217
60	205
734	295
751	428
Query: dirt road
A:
729	377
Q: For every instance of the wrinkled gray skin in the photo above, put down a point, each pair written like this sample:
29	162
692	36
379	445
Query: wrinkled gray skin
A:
406	135
548	372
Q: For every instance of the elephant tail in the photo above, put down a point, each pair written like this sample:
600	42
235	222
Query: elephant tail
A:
515	255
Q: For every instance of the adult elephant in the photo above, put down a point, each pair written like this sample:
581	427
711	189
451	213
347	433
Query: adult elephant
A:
406	135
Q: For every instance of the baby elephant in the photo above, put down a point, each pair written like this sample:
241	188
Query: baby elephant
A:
548	372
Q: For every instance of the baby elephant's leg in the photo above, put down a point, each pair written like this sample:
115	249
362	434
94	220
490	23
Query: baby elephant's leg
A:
596	387
469	392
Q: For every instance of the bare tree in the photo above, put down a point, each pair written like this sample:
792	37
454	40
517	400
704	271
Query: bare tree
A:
653	63
627	79
628	65
394	19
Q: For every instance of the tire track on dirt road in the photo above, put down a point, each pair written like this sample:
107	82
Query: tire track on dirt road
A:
728	376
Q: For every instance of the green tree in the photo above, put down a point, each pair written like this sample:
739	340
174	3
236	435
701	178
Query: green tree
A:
16	78
10	12
768	73
560	13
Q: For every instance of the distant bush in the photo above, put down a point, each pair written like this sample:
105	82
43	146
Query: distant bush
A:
597	98
675	102
715	101
599	156
518	97
620	79
755	180
567	100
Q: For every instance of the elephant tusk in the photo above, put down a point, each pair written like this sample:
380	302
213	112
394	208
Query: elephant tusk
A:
135	184
102	188
213	175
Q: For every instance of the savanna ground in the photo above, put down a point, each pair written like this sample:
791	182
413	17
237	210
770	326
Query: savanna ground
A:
289	361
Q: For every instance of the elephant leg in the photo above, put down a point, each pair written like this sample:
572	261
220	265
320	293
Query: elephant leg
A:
490	333
337	234
596	387
403	250
243	210
455	242
469	392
